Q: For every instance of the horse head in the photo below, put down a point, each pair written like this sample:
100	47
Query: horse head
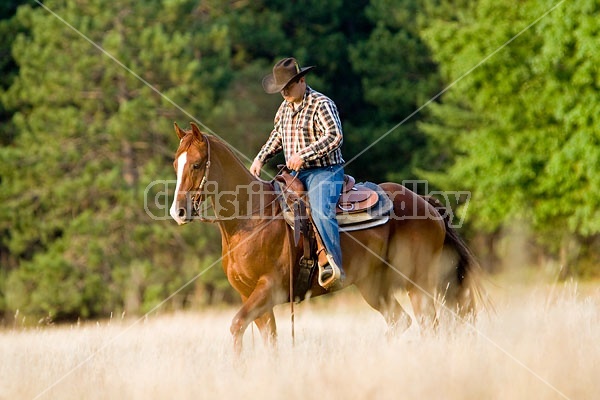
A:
192	163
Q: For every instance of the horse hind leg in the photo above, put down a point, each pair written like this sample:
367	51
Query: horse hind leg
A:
423	303
415	265
379	294
423	288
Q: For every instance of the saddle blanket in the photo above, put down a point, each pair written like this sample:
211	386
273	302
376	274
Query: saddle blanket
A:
347	222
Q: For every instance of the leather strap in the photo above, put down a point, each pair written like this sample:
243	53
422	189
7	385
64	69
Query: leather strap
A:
306	231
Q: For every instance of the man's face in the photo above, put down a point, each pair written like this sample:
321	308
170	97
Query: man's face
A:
294	91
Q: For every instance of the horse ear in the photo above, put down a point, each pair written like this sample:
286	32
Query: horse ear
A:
180	133
196	130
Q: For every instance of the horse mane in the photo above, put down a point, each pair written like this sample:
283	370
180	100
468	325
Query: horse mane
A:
215	141
221	143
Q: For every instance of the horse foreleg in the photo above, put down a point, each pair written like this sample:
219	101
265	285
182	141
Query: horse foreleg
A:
268	328
257	304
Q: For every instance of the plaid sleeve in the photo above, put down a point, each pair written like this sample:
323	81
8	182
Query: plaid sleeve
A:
271	147
327	121
274	143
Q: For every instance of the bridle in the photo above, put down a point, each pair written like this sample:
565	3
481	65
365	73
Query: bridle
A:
197	198
198	193
206	166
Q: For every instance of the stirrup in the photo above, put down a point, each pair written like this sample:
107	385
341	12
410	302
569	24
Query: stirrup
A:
334	278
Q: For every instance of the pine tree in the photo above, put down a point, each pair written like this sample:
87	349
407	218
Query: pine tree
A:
397	76
527	145
90	139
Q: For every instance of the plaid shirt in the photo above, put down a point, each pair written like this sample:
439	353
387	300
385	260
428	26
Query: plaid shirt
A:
313	130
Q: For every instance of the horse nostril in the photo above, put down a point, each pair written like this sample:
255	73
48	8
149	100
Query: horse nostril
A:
182	213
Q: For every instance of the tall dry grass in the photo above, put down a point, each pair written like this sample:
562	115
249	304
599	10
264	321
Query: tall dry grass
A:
543	343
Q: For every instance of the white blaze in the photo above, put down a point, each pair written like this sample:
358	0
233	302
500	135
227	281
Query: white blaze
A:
181	161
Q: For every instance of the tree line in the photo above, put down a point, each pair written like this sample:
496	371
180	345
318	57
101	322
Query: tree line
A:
486	97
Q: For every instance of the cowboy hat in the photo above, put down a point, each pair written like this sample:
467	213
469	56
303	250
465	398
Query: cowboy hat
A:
284	72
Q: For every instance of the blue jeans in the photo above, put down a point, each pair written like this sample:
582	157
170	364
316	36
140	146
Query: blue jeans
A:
324	186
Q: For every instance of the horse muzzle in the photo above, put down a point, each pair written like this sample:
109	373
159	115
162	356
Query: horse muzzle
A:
182	215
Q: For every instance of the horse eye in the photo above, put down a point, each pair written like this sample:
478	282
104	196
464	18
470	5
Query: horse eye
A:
196	166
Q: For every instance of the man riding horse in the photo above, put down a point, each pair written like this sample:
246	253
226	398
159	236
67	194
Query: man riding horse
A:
413	248
307	128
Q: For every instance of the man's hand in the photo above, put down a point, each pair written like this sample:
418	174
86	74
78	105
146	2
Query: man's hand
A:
256	167
295	162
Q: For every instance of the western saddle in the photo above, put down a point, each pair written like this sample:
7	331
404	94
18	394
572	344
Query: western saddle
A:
355	198
360	206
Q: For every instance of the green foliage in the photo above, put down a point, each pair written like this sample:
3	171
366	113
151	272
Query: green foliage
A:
528	146
397	77
89	144
82	139
9	28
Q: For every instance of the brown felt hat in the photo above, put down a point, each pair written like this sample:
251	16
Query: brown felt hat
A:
284	72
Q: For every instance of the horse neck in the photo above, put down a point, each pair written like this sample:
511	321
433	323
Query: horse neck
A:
226	169
238	192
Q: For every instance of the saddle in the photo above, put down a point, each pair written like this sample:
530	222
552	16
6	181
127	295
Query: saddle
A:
360	206
355	198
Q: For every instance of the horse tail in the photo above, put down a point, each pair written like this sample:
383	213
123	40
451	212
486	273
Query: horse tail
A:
462	288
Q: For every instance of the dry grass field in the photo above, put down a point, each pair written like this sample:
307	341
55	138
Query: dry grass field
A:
543	343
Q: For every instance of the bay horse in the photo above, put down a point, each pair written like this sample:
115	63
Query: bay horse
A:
423	256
